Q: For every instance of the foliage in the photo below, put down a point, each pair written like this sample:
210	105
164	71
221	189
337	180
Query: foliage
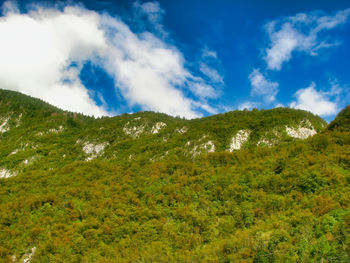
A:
342	121
288	203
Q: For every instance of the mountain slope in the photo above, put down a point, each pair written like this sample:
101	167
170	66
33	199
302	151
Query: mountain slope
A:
36	135
283	203
342	121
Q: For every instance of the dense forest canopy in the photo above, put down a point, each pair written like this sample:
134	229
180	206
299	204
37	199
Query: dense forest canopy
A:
147	187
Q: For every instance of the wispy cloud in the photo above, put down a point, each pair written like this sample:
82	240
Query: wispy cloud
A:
9	7
211	73
212	81
153	10
300	33
208	53
262	86
43	51
154	14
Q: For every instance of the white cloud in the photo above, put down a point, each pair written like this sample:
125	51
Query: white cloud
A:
279	105
43	51
300	33
36	50
212	82
147	71
209	64
9	7
154	13
248	105
208	53
153	10
263	87
211	73
315	101
201	89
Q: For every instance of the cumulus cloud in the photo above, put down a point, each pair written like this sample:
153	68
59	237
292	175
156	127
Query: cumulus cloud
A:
262	86
38	49
43	51
315	101
300	33
147	71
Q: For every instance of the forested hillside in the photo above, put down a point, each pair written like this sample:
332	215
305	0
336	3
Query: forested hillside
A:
35	135
244	186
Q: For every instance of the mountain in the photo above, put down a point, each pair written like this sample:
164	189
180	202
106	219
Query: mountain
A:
244	186
342	121
37	135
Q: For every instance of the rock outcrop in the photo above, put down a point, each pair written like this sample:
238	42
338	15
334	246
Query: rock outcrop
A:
239	139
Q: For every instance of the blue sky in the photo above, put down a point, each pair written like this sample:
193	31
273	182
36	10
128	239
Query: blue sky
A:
185	58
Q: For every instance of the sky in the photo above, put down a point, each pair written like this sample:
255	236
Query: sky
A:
188	58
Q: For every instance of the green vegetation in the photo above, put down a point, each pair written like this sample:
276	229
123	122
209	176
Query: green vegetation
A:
148	198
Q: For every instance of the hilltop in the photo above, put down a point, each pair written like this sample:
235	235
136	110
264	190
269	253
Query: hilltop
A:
342	121
244	186
35	134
